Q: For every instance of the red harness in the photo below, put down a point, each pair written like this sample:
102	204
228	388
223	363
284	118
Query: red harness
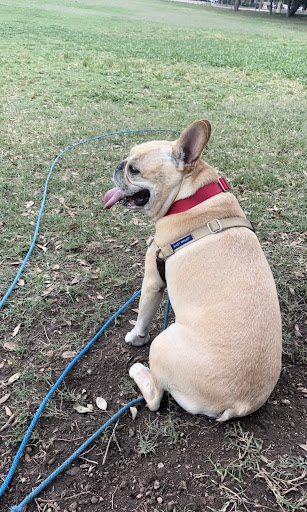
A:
201	195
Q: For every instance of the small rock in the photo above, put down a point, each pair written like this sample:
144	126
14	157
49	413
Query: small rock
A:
171	505
183	486
123	484
131	432
160	500
73	506
51	461
73	471
285	401
156	484
29	449
160	465
94	500
139	496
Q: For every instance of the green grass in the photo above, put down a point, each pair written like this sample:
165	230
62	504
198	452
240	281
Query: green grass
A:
284	477
73	69
156	432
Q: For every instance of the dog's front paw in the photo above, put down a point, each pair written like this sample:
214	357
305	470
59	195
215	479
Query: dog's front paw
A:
135	339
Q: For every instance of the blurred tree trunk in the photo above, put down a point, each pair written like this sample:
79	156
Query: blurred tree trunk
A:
236	5
293	7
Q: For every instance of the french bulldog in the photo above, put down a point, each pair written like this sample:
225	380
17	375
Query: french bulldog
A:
222	355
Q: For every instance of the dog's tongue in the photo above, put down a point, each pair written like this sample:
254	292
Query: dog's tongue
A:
112	196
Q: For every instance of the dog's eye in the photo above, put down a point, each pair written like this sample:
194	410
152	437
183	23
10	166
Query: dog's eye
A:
133	170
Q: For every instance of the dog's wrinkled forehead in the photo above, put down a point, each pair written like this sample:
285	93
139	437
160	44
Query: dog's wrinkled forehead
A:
151	154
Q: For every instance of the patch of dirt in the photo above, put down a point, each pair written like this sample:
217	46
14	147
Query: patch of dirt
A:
179	475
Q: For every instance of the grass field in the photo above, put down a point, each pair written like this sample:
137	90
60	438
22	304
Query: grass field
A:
74	69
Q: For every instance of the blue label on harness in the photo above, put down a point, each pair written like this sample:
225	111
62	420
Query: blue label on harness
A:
181	242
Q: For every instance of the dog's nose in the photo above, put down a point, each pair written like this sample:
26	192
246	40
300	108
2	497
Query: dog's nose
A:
121	166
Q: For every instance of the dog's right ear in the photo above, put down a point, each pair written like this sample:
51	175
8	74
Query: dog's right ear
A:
191	143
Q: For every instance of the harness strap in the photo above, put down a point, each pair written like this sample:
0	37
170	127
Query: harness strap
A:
211	228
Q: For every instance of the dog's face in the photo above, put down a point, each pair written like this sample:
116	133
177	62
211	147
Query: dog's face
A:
151	176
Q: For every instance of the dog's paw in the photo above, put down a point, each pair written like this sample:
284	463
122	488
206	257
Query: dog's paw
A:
134	339
138	370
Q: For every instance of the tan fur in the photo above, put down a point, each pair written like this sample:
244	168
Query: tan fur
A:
222	355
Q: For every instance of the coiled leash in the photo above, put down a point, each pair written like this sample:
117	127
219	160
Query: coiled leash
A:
60	469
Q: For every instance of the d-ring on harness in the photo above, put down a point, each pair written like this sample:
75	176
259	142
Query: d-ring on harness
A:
211	228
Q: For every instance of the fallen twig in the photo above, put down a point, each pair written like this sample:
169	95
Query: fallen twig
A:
9	421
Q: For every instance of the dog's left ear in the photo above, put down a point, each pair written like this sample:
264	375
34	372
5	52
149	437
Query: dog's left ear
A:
191	143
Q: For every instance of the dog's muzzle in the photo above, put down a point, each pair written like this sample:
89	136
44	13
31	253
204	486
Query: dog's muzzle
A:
121	193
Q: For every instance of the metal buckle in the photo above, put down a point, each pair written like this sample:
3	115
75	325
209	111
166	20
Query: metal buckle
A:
213	231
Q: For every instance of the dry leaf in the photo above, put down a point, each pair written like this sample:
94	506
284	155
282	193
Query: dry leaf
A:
81	409
29	204
132	322
99	297
299	274
42	247
4	398
10	345
69	354
13	378
303	446
46	292
134	412
8	411
27	457
83	262
56	267
86	200
101	403
21	282
76	280
16	330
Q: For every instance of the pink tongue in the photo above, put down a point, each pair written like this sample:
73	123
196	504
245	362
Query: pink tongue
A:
112	196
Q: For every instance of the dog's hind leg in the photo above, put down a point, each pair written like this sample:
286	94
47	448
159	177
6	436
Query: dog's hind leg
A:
147	385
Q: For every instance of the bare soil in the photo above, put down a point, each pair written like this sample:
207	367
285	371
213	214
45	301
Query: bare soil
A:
178	475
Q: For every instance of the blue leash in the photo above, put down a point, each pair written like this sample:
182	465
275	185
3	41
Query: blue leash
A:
20	507
52	390
33	494
45	193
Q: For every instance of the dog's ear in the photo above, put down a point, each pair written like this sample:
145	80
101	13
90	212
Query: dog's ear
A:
191	143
